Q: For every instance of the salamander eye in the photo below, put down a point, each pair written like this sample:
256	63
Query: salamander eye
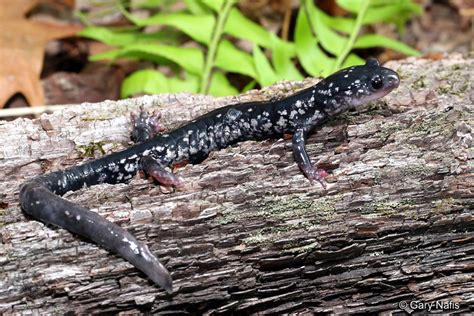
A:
376	82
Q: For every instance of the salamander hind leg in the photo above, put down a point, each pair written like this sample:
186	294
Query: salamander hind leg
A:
145	126
303	161
154	169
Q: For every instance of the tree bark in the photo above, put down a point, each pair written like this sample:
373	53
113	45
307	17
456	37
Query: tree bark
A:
248	233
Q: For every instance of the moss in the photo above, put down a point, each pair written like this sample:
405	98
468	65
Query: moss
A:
2	212
256	239
417	170
388	207
435	123
302	249
444	205
281	209
289	207
91	149
388	129
444	89
455	78
86	118
419	83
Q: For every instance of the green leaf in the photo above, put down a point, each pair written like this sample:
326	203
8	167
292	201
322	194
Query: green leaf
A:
232	59
265	73
196	7
147	4
198	27
284	67
240	26
249	86
126	37
377	40
329	39
383	11
107	36
312	58
213	4
190	59
152	82
220	86
352	60
111	54
344	25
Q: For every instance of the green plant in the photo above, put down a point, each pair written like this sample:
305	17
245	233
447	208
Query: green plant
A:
322	44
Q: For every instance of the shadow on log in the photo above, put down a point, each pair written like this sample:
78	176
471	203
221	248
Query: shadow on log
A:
248	234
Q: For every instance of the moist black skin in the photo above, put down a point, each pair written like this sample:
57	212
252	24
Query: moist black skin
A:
297	114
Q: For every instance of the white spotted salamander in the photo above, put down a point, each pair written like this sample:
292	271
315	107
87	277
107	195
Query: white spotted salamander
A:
297	114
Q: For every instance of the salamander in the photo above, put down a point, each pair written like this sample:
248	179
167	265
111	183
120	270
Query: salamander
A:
297	114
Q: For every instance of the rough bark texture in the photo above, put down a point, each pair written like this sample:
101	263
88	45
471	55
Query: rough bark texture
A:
248	233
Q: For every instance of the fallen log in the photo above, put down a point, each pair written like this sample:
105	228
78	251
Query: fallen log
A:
248	233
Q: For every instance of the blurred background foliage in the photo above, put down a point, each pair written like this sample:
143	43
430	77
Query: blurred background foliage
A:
211	46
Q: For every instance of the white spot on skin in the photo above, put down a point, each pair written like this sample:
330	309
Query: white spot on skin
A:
250	110
170	155
218	116
357	81
284	112
129	167
325	92
254	123
348	92
346	76
293	114
67	213
133	246
78	217
267	126
146	254
281	122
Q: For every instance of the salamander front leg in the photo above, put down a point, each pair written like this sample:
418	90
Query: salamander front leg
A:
303	161
153	168
145	126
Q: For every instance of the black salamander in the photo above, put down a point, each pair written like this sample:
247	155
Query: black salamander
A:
297	114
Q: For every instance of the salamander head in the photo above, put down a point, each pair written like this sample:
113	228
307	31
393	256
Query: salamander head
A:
356	85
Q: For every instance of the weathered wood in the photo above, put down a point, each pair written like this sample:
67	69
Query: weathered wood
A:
248	233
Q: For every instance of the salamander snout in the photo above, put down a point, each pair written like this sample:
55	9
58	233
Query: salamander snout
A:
374	84
391	79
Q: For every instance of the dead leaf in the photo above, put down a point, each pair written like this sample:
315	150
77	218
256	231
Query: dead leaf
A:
22	44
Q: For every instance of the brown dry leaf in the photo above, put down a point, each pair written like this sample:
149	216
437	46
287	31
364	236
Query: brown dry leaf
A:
22	44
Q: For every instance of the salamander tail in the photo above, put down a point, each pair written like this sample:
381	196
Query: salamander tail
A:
40	203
